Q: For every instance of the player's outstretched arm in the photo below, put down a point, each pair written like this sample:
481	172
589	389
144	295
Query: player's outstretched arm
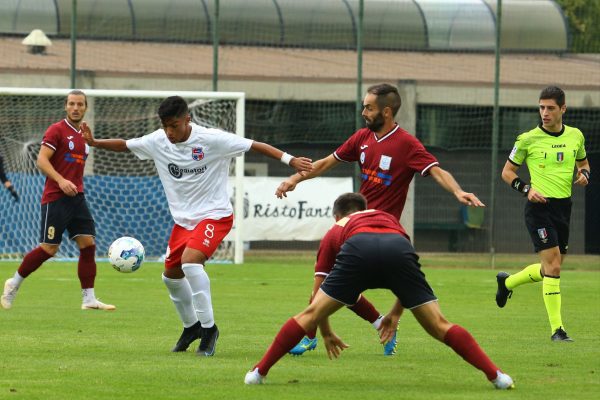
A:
107	144
319	167
300	164
447	181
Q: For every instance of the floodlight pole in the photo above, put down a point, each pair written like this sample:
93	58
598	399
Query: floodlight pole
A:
359	63
73	44
359	79
215	38
495	134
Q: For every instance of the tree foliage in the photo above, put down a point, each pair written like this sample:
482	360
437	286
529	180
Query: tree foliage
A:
583	18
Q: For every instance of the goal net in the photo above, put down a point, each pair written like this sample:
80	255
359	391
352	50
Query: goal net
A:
124	193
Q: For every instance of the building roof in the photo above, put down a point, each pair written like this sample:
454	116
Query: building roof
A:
287	64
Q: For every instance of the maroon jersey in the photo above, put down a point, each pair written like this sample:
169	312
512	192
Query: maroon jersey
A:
374	221
387	165
70	153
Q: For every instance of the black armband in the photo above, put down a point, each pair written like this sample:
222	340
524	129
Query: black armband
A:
520	186
585	173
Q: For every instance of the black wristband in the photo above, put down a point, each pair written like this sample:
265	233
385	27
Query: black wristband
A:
585	173
520	186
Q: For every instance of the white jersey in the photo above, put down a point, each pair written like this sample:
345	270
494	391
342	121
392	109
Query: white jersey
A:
194	174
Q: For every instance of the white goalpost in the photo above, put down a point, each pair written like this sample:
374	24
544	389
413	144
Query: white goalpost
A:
124	193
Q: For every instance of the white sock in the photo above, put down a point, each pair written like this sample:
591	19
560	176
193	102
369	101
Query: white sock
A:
377	322
180	293
17	279
200	284
88	296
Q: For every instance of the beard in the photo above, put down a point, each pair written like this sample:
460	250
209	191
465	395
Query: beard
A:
76	119
376	124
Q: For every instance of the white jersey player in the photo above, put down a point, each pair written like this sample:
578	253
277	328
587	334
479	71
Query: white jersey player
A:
193	166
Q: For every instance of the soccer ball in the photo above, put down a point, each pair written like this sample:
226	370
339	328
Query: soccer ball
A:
126	254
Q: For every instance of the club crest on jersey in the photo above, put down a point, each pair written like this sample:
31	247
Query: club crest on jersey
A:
543	235
385	162
197	154
560	156
71	145
362	157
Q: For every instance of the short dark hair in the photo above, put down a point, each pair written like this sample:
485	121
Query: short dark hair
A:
387	96
76	92
555	93
348	203
172	107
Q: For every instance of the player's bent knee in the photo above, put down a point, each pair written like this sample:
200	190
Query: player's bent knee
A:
51	249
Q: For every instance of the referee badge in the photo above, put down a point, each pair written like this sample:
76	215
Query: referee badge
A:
560	156
543	235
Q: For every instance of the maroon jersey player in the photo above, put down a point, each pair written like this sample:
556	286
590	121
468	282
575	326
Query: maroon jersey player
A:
369	250
62	159
389	157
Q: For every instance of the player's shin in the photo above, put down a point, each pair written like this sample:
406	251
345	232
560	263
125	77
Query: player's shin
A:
180	294
461	341
530	274
201	299
552	301
366	310
290	333
86	267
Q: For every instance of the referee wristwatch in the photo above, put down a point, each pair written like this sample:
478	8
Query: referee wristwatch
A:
526	190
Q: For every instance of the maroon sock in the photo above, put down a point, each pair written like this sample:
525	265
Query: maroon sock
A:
312	333
465	346
86	268
32	261
289	335
364	309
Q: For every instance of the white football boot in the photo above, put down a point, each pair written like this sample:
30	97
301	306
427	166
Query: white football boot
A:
254	378
8	296
503	381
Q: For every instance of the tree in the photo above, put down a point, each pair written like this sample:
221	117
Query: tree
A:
583	17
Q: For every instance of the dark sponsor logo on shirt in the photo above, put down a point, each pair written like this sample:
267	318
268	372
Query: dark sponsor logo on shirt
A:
556	146
177	172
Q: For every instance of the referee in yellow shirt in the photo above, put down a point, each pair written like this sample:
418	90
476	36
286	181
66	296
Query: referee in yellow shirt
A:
551	151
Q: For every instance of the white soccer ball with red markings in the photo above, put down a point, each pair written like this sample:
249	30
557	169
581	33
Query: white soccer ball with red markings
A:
126	254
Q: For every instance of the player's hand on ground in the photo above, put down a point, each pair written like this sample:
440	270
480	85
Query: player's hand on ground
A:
388	327
284	187
87	133
68	187
469	199
536	197
580	179
301	164
334	345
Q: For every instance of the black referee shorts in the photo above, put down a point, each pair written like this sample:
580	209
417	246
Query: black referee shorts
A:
67	213
548	223
378	261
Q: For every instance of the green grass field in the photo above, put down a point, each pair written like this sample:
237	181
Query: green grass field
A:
50	349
